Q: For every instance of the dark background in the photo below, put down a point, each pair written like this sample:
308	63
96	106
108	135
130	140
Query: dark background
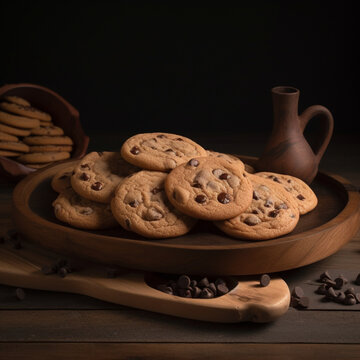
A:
146	66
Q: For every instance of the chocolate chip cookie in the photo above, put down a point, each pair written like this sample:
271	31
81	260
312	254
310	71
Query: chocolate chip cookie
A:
302	193
231	159
8	137
51	130
13	130
160	151
45	157
48	140
27	111
209	188
76	211
17	146
98	173
17	100
273	212
18	121
62	179
140	205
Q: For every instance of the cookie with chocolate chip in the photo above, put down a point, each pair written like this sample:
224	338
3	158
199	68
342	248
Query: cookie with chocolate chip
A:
160	151
98	173
302	193
82	213
273	212
27	111
61	180
231	158
140	205
209	188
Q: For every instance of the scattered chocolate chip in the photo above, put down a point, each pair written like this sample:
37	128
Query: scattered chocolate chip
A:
357	281
97	186
204	282
330	293
134	203
322	289
85	177
294	302
350	300
331	283
357	297
193	162
206	293
274	213
255	195
297	292
300	197
201	199
193	283
304	302
156	190
196	292
350	291
212	287
135	150
222	289
85	166
183	282
20	293
264	280
223	198
339	283
224	176
340	298
324	276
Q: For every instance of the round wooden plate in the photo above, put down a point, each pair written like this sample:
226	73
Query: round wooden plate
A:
205	250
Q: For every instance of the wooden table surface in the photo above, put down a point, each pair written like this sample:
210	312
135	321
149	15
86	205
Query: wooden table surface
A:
60	325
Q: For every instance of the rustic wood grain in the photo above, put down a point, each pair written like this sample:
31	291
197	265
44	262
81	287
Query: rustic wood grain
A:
126	351
338	327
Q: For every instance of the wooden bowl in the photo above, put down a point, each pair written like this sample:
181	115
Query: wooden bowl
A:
64	115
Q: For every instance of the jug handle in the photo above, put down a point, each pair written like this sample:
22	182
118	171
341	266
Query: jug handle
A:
322	112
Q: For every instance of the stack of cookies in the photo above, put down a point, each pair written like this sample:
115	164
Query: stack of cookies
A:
161	184
28	134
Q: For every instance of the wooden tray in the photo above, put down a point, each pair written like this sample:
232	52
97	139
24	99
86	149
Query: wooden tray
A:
246	301
205	250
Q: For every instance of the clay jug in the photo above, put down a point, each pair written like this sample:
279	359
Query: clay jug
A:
287	151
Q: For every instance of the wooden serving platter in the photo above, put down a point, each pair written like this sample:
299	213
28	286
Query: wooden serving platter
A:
205	250
246	301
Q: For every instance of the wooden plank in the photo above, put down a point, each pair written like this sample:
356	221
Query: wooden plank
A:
339	327
111	351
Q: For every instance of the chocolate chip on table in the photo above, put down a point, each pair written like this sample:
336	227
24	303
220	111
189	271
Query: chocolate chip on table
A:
204	282
193	162
135	150
264	280
350	300
47	270
222	289
201	199
196	292
224	198
357	297
183	282
301	197
63	271
357	281
330	293
331	283
324	276
97	186
213	288
294	302
303	302
297	292
165	289
339	283
322	289
193	283
350	291
20	293
85	177
340	298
